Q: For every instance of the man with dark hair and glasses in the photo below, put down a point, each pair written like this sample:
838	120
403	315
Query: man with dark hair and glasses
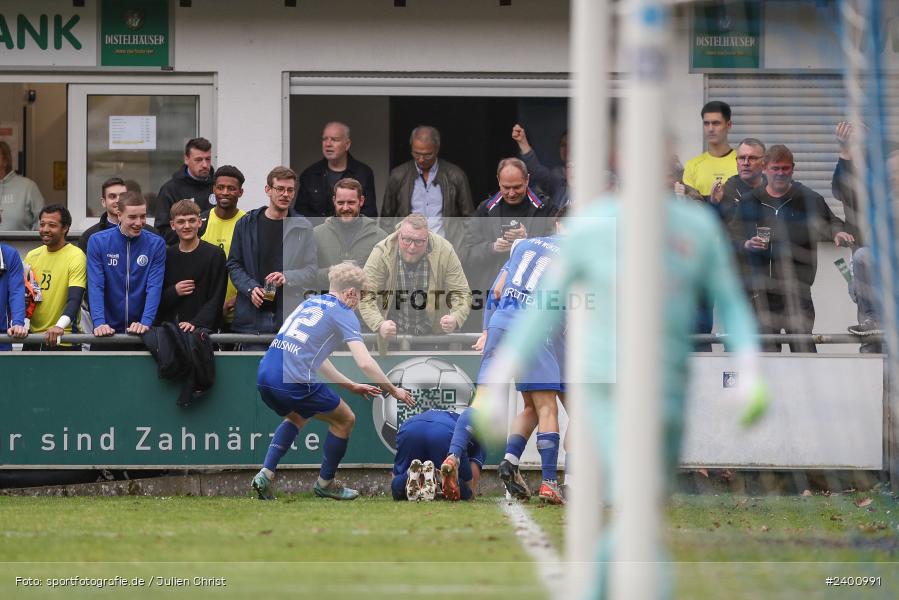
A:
273	260
417	285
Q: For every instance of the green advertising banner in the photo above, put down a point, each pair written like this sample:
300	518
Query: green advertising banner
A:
727	34
135	33
111	410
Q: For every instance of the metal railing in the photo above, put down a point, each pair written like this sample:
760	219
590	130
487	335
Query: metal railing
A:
451	341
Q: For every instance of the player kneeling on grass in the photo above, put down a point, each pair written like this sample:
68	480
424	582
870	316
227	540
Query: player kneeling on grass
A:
288	384
424	440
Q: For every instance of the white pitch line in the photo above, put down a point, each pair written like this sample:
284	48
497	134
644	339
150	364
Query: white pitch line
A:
550	567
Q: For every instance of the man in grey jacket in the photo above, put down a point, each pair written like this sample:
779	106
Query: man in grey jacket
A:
425	185
348	235
20	198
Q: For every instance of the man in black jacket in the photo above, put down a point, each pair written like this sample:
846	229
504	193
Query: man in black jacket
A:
782	268
514	212
271	246
192	182
430	186
317	181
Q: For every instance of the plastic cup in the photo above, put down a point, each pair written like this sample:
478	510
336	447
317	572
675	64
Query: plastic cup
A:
269	290
765	234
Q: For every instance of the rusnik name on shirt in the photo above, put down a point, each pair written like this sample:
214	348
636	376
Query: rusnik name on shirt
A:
146	439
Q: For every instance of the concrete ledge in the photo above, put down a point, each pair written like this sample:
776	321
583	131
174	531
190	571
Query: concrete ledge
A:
376	482
369	482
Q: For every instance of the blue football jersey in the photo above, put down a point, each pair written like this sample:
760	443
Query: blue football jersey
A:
309	335
530	260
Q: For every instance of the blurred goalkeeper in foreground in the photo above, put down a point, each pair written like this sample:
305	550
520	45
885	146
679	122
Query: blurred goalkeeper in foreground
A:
697	264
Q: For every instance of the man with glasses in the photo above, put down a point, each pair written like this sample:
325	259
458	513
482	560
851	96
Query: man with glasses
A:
272	261
435	188
417	283
750	153
776	232
317	181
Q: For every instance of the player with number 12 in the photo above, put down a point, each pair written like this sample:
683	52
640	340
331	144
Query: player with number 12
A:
288	383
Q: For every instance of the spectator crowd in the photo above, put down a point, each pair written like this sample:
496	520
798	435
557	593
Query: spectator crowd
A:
428	253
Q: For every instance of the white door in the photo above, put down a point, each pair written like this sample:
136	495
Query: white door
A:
134	132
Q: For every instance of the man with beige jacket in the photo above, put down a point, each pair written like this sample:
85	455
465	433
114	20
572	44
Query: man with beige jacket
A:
417	283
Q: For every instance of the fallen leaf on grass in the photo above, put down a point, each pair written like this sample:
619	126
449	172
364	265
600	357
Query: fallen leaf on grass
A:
764	528
266	532
836	518
864	503
872	527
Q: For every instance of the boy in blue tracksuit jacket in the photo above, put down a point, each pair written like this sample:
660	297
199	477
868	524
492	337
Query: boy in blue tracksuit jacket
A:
12	294
125	269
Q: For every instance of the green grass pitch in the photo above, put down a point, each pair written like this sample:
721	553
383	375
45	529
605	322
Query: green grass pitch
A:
300	546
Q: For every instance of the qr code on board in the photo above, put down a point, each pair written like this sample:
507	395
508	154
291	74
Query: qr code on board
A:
425	399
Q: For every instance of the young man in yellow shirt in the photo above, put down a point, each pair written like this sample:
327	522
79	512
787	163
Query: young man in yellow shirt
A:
712	168
61	272
706	174
219	222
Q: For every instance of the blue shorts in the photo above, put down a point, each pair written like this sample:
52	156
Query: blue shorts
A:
305	399
558	344
541	373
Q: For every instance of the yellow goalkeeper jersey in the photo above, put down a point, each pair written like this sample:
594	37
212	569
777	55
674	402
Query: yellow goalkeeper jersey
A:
56	272
701	171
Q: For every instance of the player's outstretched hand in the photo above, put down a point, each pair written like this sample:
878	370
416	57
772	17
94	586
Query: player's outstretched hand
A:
756	399
490	416
365	390
404	396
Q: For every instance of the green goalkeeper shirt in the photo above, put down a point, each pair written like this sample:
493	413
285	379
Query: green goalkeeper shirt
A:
697	263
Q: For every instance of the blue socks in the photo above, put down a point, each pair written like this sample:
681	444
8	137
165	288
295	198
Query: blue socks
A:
548	447
462	433
333	450
515	448
285	434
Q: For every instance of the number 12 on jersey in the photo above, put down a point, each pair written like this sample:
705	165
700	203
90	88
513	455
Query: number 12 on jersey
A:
308	317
